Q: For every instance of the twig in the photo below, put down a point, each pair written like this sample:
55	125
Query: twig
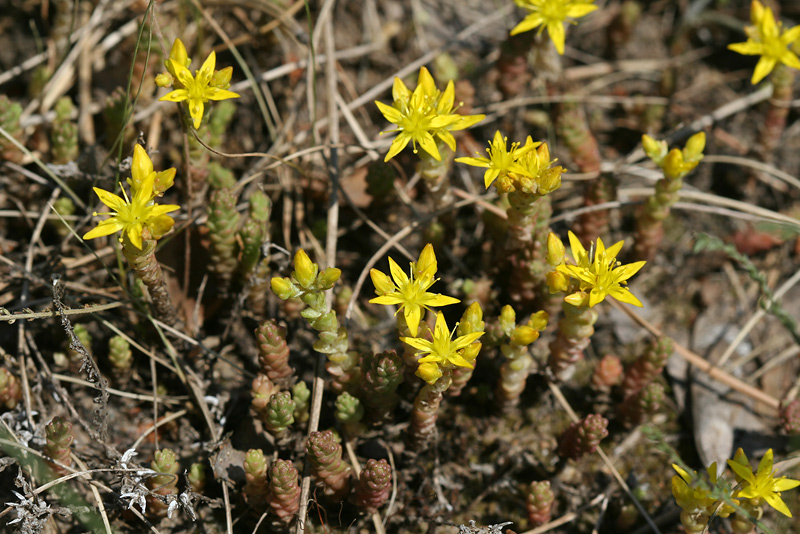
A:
703	365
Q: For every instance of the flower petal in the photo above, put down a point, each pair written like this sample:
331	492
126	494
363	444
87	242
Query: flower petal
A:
399	143
103	228
178	95
109	199
141	165
412	314
196	111
214	93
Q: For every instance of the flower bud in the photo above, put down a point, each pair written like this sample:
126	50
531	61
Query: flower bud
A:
555	250
655	150
557	282
178	53
328	277
305	271
383	284
221	79
539	320
524	335
164	79
426	264
284	288
429	372
577	299
508	317
694	147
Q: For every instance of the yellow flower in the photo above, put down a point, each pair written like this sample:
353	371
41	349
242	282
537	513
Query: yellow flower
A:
501	160
767	39
599	273
197	90
424	115
411	293
762	485
552	14
443	351
133	216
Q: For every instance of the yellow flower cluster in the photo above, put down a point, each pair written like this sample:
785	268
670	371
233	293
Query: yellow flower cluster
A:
525	168
675	163
592	275
700	500
424	115
410	292
207	83
134	215
767	38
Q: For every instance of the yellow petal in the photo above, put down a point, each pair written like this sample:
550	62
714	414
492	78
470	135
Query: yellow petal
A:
426	264
475	162
207	70
141	166
447	138
624	295
399	143
556	32
429	145
446	99
388	300
109	199
103	228
134	233
412	314
178	52
578	252
178	95
466	121
439	300
613	250
399	90
776	502
400	278
391	114
214	93
425	82
528	23
196	111
183	75
580	10
763	67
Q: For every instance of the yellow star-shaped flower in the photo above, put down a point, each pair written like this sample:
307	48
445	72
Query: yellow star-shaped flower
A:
197	90
133	216
411	293
762	485
552	14
424	115
767	39
443	351
501	160
599	273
